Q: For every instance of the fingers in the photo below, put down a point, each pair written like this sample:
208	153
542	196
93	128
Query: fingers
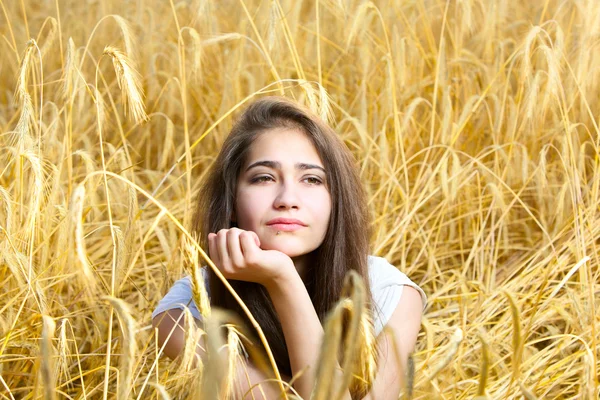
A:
255	236
233	247
221	243
229	248
212	249
249	245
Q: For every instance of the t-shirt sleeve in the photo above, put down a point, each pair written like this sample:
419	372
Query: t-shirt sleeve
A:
179	296
405	281
387	285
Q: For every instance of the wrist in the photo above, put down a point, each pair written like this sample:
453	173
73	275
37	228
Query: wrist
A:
284	281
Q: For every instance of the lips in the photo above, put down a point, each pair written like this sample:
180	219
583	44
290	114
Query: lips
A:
286	224
286	221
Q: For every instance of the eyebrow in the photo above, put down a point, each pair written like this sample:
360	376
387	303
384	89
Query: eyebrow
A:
277	165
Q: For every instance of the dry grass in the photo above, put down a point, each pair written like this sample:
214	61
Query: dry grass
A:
475	124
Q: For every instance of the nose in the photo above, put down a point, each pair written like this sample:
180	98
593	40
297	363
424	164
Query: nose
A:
286	197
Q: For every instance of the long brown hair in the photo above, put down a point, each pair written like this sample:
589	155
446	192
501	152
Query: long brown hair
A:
346	243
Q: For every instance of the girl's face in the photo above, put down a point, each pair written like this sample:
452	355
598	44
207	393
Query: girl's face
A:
284	177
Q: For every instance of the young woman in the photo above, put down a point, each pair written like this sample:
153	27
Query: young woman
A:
284	217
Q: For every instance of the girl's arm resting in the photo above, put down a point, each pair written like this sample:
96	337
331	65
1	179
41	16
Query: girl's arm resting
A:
248	375
404	325
170	329
303	335
302	330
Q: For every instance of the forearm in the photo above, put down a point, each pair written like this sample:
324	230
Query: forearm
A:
171	338
251	383
302	330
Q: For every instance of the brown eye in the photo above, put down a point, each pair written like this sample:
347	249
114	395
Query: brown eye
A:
313	180
260	179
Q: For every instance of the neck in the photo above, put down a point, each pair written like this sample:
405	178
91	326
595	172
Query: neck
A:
301	263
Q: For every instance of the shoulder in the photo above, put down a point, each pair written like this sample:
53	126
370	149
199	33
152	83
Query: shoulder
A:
383	276
387	283
387	286
180	296
381	271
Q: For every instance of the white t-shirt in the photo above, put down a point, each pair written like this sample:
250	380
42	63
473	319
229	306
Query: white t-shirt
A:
386	282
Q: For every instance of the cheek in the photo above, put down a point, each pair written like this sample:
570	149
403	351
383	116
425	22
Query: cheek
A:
248	209
244	216
321	207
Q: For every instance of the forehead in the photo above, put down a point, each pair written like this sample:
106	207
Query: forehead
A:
287	145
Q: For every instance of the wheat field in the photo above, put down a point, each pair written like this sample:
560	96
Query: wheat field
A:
475	124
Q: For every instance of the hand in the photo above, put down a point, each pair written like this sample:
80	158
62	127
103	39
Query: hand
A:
238	256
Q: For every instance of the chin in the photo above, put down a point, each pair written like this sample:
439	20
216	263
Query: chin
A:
289	249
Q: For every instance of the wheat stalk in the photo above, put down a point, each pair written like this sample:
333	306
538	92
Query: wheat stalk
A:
199	294
69	77
129	82
129	345
50	37
47	353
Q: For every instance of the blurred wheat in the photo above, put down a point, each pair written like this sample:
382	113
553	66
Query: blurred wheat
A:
476	127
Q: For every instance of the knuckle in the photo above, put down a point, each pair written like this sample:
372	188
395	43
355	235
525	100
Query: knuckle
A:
231	233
